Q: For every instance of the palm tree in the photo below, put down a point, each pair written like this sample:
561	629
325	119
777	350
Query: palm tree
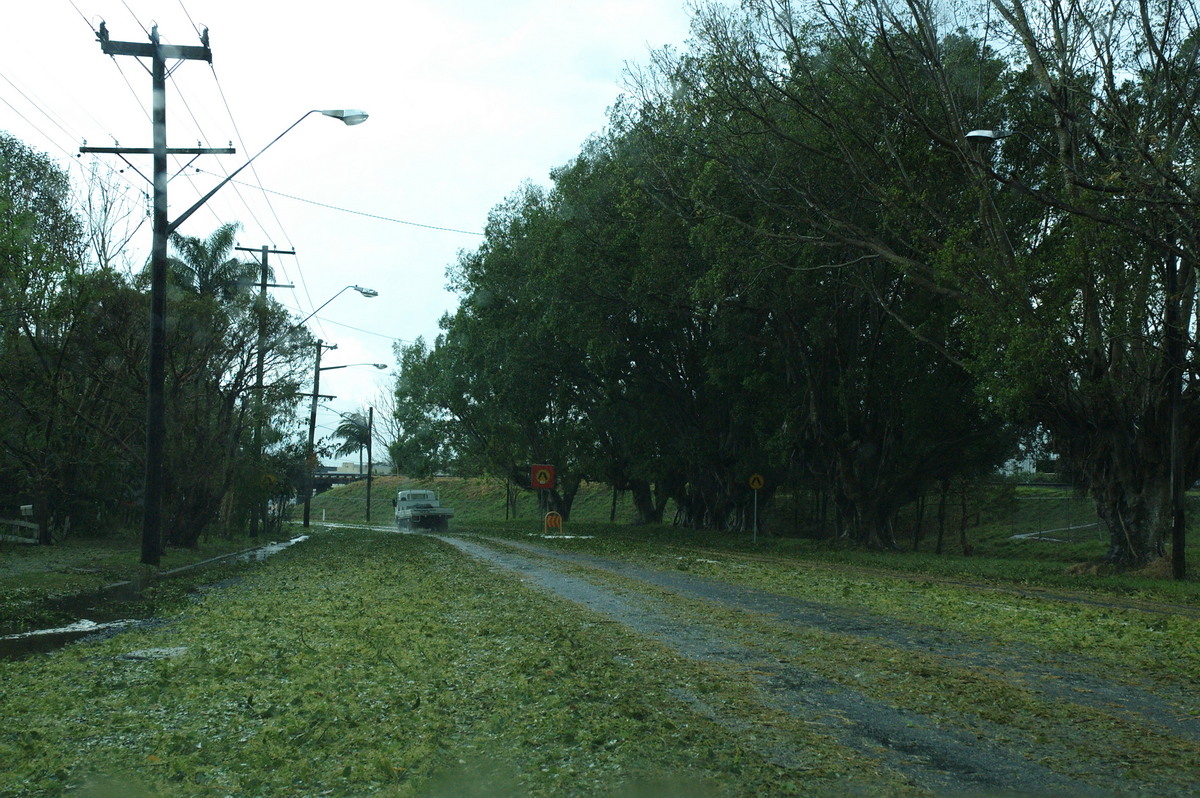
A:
206	266
355	433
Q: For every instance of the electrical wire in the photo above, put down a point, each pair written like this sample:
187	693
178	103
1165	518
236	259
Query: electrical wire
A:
37	106
254	171
357	329
373	215
135	18
187	14
199	127
189	175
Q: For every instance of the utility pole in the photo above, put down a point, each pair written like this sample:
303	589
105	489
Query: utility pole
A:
158	53
370	436
311	460
260	513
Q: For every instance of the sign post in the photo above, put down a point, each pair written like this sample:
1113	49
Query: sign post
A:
756	483
541	479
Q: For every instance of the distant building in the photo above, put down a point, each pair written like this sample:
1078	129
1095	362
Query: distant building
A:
352	468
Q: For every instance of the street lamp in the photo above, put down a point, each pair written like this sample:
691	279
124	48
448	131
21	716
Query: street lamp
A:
156	373
983	136
369	293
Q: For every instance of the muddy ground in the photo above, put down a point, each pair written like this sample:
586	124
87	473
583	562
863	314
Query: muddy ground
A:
990	748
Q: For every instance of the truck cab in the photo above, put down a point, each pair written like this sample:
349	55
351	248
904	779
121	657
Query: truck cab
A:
421	509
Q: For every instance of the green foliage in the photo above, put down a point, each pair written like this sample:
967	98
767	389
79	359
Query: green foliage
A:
360	663
73	359
205	266
66	354
672	315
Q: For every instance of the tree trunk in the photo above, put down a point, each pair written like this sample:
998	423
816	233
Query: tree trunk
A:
1138	523
41	516
964	521
941	536
648	510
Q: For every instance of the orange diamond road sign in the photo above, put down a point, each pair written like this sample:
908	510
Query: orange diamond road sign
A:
543	477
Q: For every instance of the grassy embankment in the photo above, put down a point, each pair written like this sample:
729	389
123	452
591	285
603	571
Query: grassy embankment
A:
475	501
1063	560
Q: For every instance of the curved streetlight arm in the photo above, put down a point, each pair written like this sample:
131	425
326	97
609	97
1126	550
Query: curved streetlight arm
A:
348	365
367	292
350	117
985	136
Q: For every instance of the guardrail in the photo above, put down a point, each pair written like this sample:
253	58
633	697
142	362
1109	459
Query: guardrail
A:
17	526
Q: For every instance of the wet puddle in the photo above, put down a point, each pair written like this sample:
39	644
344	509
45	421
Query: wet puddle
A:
107	609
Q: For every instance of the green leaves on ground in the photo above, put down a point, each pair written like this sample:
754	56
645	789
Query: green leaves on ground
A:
361	663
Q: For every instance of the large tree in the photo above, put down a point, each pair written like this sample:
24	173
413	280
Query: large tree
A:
869	390
212	403
1073	270
68	352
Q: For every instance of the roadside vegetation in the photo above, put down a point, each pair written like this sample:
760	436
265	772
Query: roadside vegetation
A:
1001	534
32	578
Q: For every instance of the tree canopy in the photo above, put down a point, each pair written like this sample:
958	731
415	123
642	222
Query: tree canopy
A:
786	255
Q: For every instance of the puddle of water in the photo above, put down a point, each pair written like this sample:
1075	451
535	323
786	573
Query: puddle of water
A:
263	552
41	640
102	610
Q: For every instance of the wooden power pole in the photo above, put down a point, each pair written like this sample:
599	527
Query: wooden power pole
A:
260	512
159	54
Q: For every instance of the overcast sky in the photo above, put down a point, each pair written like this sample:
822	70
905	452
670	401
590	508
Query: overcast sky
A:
466	99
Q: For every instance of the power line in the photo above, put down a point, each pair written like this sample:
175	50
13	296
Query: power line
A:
36	105
254	171
188	14
135	18
360	329
71	158
189	175
372	215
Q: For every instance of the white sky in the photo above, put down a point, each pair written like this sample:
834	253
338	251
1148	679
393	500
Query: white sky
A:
467	100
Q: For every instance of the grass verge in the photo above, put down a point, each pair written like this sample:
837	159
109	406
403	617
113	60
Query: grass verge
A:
670	546
31	576
369	663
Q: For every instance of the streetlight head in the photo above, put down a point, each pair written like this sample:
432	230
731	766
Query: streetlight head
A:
380	365
986	136
367	292
351	116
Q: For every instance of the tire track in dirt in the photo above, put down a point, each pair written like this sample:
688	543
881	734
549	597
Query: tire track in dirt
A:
1027	668
943	760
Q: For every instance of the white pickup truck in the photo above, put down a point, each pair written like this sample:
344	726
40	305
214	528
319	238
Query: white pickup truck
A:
421	509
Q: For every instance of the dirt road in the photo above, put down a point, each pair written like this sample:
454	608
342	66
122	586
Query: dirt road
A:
956	714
